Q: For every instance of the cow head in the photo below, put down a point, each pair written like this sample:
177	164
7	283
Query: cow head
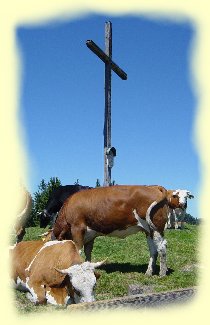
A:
179	198
44	218
83	280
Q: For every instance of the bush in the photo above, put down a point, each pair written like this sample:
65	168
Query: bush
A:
40	199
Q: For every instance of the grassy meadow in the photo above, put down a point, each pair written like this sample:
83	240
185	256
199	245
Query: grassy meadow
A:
127	261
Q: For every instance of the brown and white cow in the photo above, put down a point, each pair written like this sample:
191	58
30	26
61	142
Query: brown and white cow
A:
116	211
52	272
177	206
23	214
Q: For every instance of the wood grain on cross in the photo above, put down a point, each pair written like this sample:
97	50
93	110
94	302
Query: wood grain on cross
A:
106	57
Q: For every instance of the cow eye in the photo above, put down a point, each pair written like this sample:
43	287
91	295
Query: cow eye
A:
77	292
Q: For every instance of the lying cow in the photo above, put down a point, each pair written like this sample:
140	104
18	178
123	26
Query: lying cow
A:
53	272
175	211
55	202
24	212
116	211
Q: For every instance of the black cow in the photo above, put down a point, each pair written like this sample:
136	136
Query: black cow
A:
55	202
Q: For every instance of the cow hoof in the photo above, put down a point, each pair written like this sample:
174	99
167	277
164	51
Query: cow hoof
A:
162	273
148	273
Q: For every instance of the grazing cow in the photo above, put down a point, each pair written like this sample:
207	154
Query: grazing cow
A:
53	272
116	211
24	212
177	206
55	202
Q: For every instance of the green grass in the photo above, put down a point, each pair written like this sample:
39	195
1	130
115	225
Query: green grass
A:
127	261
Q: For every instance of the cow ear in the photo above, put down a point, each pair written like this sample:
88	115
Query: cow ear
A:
97	275
175	193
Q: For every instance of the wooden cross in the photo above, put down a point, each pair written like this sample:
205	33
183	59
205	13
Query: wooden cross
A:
106	57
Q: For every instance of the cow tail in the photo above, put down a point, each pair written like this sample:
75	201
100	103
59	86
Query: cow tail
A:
152	205
148	219
27	208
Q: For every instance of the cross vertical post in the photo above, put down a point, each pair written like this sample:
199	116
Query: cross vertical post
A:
106	57
107	115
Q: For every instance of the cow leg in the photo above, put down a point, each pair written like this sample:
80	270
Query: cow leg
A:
20	234
169	224
78	233
160	244
88	247
57	296
63	235
153	256
37	293
176	226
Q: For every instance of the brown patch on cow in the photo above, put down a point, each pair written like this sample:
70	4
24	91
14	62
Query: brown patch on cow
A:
59	294
173	199
63	253
159	215
22	255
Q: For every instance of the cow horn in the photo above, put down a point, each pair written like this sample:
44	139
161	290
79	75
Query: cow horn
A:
97	264
65	271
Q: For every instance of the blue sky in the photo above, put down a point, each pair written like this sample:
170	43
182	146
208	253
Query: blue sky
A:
153	111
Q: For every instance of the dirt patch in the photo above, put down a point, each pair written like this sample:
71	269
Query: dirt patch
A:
190	267
137	289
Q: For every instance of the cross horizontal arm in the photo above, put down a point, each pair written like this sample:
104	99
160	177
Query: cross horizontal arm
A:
93	47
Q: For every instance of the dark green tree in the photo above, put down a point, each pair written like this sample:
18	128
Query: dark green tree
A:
40	199
191	220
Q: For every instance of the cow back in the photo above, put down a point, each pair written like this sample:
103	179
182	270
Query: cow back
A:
54	254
